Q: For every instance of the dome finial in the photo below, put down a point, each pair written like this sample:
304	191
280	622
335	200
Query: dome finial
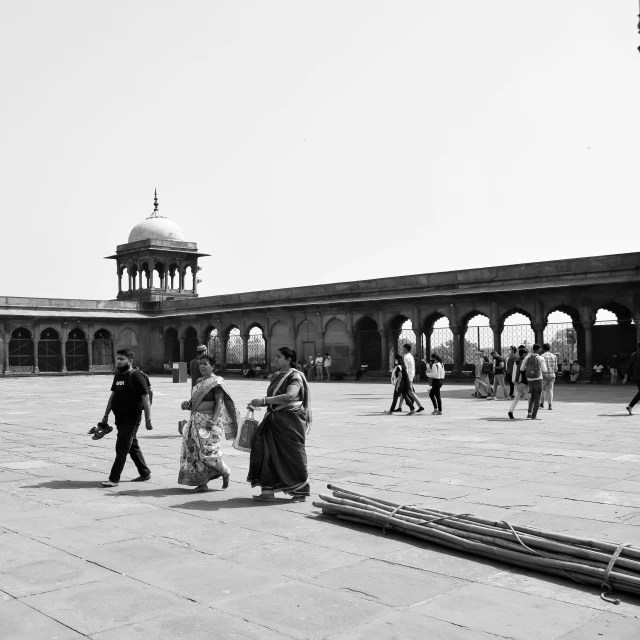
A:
155	213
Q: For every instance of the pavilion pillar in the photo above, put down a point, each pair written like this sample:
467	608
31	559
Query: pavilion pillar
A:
223	351
458	352
140	279
63	353
90	353
7	338
36	340
588	345
150	278
245	347
538	331
119	280
497	338
427	343
181	340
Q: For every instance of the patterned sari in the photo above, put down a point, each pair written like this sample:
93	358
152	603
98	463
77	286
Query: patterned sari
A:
200	456
278	457
482	383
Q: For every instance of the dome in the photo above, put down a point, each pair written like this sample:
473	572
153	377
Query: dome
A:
156	227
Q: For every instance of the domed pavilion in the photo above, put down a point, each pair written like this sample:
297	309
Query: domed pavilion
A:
158	261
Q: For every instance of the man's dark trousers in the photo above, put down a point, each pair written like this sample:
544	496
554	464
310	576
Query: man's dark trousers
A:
535	389
634	402
127	444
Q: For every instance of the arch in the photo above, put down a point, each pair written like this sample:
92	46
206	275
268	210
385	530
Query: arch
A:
307	333
478	335
146	272
514	311
21	352
174	268
368	344
234	348
281	335
212	342
191	344
77	351
49	351
102	350
563	333
171	346
613	336
437	337
336	344
256	346
516	330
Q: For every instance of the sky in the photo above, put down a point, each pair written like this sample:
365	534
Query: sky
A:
307	142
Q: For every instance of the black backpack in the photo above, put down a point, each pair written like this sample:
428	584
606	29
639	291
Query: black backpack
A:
146	377
487	367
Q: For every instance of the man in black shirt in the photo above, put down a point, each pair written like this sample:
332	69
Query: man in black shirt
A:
498	375
129	396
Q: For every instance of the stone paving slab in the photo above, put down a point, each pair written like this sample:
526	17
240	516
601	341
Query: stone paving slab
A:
156	561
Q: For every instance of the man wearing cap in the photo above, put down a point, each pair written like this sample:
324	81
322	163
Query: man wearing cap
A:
194	365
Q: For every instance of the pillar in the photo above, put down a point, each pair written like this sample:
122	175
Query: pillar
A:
63	353
140	279
181	340
150	277
119	280
223	350
90	353
36	369
458	352
352	349
427	342
538	331
588	345
245	347
384	340
194	269
497	338
7	338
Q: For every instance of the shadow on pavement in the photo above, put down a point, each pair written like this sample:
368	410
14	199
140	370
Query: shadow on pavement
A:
231	503
65	484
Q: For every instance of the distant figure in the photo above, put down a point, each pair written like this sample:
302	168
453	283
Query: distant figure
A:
597	372
508	376
613	363
194	365
566	371
576	370
549	378
319	361
436	373
535	368
311	368
248	370
483	386
361	371
327	366
498	375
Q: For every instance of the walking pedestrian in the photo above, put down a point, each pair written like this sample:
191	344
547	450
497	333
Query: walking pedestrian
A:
327	366
508	376
520	384
499	375
613	363
129	397
194	365
535	367
436	373
633	372
410	365
400	382
549	378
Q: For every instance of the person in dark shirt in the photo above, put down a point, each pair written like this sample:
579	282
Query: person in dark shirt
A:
194	365
129	397
499	375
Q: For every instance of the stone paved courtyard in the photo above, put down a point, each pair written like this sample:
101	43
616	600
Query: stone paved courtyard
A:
154	562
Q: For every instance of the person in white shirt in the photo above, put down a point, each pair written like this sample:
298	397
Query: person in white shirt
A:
319	361
535	367
410	365
327	366
436	373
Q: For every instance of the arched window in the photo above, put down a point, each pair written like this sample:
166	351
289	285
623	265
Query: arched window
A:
213	345
234	348
368	344
21	350
562	336
76	351
256	347
49	351
441	341
102	351
517	330
478	337
407	336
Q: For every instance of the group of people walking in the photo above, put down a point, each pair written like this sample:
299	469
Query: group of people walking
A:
402	376
278	460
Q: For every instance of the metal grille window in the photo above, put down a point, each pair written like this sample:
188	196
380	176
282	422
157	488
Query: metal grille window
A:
21	349
477	339
563	339
102	349
368	346
441	343
516	334
76	352
213	345
49	352
234	347
256	347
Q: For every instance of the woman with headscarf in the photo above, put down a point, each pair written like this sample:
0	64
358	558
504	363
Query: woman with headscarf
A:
278	461
213	415
401	385
482	383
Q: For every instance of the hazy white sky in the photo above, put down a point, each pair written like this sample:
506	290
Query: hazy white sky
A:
306	142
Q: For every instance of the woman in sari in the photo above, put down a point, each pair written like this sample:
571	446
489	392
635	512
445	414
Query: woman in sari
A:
576	370
213	415
278	460
483	385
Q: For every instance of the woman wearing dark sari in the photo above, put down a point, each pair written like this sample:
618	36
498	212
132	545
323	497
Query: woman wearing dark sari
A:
278	460
401	385
213	415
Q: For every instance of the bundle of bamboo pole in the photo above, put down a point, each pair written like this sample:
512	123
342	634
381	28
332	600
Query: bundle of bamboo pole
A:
593	562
